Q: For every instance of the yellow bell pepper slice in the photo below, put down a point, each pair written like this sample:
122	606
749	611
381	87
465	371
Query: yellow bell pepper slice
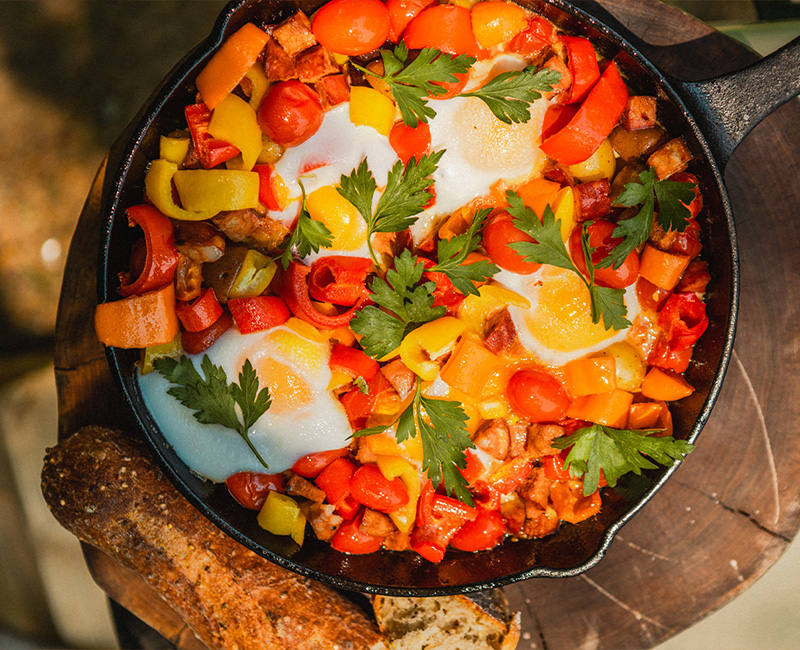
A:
153	352
564	210
259	84
368	107
601	164
216	190
280	515
174	147
158	185
254	276
341	217
422	346
234	121
392	467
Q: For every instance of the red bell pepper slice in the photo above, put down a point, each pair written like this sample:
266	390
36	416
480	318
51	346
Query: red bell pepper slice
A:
210	150
537	36
258	313
200	313
583	67
359	405
251	489
372	489
266	193
474	468
197	342
486	531
593	122
311	465
295	293
556	118
445	294
664	357
339	279
554	467
438	519
161	258
353	362
683	319
334	480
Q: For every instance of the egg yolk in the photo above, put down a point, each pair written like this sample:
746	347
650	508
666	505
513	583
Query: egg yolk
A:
561	315
288	390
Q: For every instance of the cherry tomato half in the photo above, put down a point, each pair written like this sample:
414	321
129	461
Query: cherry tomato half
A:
451	88
250	489
311	465
352	27
444	27
484	532
410	142
601	240
371	488
401	13
290	113
538	396
351	539
500	232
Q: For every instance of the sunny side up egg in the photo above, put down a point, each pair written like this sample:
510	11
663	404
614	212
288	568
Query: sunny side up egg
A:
303	417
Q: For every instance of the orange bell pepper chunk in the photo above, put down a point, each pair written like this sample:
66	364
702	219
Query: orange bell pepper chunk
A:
665	385
230	64
644	415
469	366
661	268
539	193
609	408
570	504
138	321
590	375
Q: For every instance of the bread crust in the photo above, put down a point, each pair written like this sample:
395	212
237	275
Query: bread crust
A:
103	486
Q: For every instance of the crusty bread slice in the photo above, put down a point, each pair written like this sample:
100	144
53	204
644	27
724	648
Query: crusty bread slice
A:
479	621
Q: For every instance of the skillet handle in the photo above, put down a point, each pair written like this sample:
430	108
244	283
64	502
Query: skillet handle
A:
729	106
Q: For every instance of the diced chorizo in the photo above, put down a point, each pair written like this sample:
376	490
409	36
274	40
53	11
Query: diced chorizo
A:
671	158
556	63
539	522
200	241
493	438
376	523
502	333
635	145
539	438
323	519
294	34
639	113
402	379
593	199
695	278
518	437
279	65
247	226
397	541
364	453
660	238
314	63
298	486
536	488
333	90
513	511
560	174
188	278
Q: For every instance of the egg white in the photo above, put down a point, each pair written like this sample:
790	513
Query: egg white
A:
216	452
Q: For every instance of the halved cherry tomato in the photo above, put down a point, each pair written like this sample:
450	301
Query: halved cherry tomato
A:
537	36
197	342
410	142
664	357
601	240
351	539
258	313
697	202
290	113
311	465
444	27
497	235
650	296
351	27
400	14
251	489
372	489
687	242
358	406
482	533
538	395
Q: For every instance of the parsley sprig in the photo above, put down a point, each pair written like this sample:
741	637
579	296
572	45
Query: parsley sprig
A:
672	198
617	452
213	399
405	196
548	248
442	428
407	305
309	235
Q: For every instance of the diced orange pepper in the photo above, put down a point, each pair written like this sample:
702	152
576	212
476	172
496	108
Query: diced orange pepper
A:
538	193
665	385
230	64
591	375
609	408
644	415
661	268
138	321
570	503
469	366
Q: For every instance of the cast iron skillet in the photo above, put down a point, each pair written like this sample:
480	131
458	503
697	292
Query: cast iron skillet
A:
713	116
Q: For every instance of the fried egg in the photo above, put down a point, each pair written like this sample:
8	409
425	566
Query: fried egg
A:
304	416
558	326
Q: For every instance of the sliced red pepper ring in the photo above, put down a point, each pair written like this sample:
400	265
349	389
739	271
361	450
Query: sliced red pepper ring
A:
201	313
295	293
210	150
258	313
353	362
161	258
339	279
683	318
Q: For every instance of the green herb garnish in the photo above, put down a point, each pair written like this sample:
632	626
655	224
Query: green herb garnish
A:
309	235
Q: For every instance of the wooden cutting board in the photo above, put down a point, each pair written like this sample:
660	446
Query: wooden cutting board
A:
730	510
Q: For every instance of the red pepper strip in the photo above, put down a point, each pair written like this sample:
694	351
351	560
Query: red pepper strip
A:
161	256
445	294
201	313
311	465
258	313
352	362
554	467
339	279
295	293
582	65
556	118
358	406
593	122
210	150
266	195
683	319
334	480
474	468
197	342
438	519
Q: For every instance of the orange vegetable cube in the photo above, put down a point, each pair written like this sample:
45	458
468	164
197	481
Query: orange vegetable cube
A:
661	268
644	415
609	408
665	385
538	193
570	504
138	321
590	375
469	367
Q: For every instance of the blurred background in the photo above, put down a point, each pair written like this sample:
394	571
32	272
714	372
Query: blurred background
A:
72	74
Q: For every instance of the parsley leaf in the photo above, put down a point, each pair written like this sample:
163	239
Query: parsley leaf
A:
213	400
441	425
548	248
412	83
617	452
409	305
672	197
452	253
405	196
309	235
510	94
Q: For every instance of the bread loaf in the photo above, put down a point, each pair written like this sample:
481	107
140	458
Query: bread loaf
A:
103	487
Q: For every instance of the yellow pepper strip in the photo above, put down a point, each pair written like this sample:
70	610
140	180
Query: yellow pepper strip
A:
153	352
392	467
474	311
368	107
280	515
564	209
422	346
254	276
158	185
174	147
234	121
259	84
216	190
